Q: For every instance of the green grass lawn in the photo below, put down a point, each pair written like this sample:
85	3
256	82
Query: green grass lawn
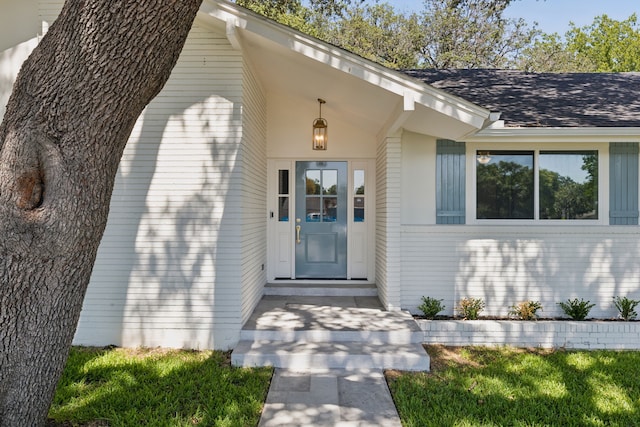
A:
124	387
474	386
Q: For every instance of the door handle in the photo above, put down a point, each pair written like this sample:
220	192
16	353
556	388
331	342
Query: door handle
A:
298	234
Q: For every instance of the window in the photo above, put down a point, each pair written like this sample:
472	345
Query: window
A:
505	188
283	195
568	185
321	195
562	184
358	198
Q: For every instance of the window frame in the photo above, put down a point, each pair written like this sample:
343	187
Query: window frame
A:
602	149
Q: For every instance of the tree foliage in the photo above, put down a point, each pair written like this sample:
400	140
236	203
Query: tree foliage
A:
459	34
472	34
609	45
447	34
606	45
378	33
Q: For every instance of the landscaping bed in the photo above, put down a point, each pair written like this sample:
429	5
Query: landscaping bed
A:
529	330
570	334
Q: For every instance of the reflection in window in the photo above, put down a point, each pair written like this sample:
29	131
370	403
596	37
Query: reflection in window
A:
505	187
321	203
313	213
283	195
358	200
313	181
568	184
329	213
283	209
358	182
330	182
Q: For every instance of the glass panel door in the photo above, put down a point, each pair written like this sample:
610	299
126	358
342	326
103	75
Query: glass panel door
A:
321	220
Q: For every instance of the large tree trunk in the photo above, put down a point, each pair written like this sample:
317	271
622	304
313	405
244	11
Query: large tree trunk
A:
73	107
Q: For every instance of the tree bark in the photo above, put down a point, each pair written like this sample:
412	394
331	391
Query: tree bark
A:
67	122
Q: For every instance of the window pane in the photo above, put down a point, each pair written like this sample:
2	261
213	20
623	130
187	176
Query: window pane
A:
283	181
358	182
568	185
358	209
330	182
313	213
283	209
313	181
330	212
505	185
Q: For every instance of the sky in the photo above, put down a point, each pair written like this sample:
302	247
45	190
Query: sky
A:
552	16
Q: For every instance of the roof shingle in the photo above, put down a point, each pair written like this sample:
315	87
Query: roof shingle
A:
545	99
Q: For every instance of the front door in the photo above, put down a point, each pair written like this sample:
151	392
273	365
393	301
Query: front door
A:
321	220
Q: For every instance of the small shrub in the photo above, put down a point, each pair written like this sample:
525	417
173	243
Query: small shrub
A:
626	307
470	308
577	310
431	307
526	310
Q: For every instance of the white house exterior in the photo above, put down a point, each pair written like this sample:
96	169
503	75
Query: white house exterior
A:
216	172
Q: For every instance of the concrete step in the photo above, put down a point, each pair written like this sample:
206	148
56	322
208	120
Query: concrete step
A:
349	289
330	355
406	336
326	319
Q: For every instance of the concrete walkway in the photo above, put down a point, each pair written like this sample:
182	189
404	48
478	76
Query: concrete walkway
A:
329	352
329	398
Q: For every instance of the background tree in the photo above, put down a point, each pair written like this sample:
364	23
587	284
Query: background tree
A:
447	34
73	106
610	45
549	53
606	45
288	12
278	9
378	33
471	34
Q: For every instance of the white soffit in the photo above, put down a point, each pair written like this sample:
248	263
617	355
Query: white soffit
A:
285	59
532	134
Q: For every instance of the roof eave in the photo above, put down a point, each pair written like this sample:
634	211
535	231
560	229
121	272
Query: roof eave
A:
393	81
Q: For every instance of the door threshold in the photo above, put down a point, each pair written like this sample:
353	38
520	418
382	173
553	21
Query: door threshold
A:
324	288
320	282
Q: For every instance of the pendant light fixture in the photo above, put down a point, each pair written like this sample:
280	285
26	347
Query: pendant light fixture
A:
320	130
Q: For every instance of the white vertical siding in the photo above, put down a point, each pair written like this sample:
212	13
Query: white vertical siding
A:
49	11
254	191
388	199
169	269
20	27
508	264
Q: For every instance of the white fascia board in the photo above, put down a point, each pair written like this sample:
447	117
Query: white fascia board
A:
340	59
606	134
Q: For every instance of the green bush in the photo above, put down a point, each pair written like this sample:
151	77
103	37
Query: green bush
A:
470	308
526	310
431	307
626	307
577	310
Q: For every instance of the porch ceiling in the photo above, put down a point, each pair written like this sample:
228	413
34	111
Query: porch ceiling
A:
365	94
280	69
364	100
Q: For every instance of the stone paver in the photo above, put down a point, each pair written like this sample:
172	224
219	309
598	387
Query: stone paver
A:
329	398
